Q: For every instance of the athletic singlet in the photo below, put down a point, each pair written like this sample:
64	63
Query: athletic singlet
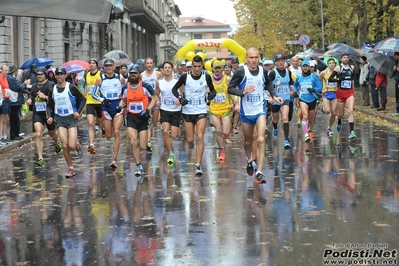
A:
252	103
345	78
297	72
222	99
91	82
328	86
195	91
283	90
167	97
111	88
137	100
64	102
151	79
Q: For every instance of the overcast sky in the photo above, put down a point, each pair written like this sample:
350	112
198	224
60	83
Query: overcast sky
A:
218	10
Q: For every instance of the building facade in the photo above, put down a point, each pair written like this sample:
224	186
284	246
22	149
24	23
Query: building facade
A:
141	31
201	28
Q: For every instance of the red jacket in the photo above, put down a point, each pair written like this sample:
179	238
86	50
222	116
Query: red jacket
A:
381	80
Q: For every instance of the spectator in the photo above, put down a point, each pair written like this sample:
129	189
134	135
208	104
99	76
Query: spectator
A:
51	75
364	72
16	100
396	77
5	106
30	74
381	81
373	88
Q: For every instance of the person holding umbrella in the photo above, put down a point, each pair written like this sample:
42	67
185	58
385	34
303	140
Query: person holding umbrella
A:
345	92
381	83
363	80
396	77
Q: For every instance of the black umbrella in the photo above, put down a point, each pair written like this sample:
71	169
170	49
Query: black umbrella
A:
381	63
342	49
116	54
335	45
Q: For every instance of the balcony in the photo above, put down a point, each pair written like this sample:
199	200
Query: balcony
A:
168	45
146	16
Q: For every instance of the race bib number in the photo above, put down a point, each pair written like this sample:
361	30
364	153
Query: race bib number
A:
283	90
90	89
112	94
220	98
195	101
331	84
304	90
254	98
136	107
40	106
168	102
62	111
346	84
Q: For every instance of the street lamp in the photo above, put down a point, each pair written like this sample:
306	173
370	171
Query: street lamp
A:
322	24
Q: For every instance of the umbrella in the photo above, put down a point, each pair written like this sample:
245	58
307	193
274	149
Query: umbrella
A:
382	42
116	54
301	54
390	46
335	45
74	68
125	61
381	63
81	63
343	49
38	61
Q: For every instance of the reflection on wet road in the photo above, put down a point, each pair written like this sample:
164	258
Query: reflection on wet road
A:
331	191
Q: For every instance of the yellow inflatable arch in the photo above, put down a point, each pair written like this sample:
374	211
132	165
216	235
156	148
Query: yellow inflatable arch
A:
212	44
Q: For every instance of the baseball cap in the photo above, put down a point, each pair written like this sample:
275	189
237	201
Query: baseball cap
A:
228	65
305	63
60	70
13	68
134	69
268	62
279	56
41	70
234	60
313	63
109	62
217	63
189	64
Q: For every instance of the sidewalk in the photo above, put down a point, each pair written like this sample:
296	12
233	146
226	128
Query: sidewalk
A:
26	122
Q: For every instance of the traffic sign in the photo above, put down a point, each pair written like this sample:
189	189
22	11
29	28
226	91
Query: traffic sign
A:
304	39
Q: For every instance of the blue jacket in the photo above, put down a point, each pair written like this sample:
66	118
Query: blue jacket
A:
18	87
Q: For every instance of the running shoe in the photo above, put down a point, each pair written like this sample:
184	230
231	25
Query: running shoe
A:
250	169
79	147
113	163
171	158
275	132
287	144
260	178
58	147
198	169
149	146
352	135
329	133
91	149
307	138
140	170
311	136
40	162
339	128
222	154
70	174
254	165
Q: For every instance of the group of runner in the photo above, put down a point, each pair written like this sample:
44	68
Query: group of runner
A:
247	91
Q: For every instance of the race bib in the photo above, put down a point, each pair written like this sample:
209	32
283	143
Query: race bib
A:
304	90
112	95
136	107
168	102
254	98
346	84
331	84
62	111
220	98
40	106
195	101
283	90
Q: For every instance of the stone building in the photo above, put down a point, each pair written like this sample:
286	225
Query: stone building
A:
144	29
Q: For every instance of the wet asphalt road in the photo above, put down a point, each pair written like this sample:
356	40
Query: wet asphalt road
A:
318	197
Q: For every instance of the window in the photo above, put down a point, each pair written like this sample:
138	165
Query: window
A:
216	35
197	36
